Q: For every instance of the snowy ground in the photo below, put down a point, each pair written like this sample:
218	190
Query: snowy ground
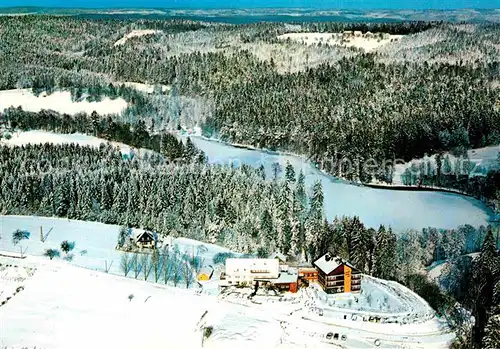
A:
94	242
368	44
60	303
146	88
40	137
59	101
59	299
136	33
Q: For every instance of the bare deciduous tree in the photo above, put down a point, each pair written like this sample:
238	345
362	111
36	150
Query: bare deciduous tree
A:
187	271
126	263
147	265
136	264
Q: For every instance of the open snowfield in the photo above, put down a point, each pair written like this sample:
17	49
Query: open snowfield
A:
136	33
59	101
367	43
63	306
41	137
146	88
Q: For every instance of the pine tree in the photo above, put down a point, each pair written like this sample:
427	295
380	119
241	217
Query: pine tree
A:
289	172
491	338
385	254
485	275
314	221
300	191
190	150
105	197
120	201
410	254
267	231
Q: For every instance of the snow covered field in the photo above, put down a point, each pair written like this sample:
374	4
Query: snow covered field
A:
366	42
94	242
40	137
60	303
146	88
136	33
59	101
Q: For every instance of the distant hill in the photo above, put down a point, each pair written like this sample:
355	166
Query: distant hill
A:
238	16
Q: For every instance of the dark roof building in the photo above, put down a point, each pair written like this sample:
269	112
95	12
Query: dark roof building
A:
146	239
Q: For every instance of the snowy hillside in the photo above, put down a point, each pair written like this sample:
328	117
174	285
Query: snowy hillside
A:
368	42
125	313
39	295
94	242
40	137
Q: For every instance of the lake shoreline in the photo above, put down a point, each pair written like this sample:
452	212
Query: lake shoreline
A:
372	185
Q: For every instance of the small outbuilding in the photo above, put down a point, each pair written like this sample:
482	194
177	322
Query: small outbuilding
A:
308	273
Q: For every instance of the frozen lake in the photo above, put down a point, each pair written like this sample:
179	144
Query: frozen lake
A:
400	209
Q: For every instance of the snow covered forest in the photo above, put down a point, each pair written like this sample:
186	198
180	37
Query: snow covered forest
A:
435	90
386	105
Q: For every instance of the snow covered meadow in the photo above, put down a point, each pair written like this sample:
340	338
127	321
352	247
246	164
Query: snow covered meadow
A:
59	101
367	42
54	291
41	137
94	242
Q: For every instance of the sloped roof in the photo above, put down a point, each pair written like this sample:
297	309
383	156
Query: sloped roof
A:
278	255
328	263
251	264
138	237
287	277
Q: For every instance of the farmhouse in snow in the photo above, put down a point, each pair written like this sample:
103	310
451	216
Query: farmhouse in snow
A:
336	275
145	239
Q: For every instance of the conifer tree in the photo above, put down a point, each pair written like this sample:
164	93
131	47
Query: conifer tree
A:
485	275
314	220
385	254
289	172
